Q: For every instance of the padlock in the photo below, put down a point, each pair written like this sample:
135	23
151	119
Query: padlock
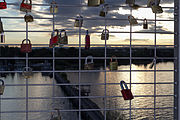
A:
102	2
130	2
63	38
58	115
93	3
26	47
113	64
78	21
2	37
89	65
26	7
1	26
54	39
3	5
152	2
87	41
53	6
132	20
27	72
28	18
145	24
105	35
2	86
157	9
104	10
126	93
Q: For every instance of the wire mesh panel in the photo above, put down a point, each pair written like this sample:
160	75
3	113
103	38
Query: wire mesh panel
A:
89	60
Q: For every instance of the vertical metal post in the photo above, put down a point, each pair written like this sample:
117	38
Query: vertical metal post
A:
26	70
130	52
176	61
155	67
53	92
105	51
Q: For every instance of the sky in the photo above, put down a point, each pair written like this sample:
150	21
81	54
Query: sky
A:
68	10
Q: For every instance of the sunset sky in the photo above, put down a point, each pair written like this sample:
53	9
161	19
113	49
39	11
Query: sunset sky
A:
64	19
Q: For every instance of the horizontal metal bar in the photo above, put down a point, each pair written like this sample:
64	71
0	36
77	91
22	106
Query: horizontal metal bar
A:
80	5
84	18
108	45
91	32
77	110
84	71
79	97
77	58
75	84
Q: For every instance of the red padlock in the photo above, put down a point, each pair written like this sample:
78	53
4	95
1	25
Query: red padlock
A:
26	48
54	39
126	93
87	41
3	5
26	7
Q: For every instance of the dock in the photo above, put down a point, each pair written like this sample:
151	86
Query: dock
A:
86	103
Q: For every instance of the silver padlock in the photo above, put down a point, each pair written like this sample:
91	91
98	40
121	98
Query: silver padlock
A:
27	72
2	86
58	117
89	65
78	21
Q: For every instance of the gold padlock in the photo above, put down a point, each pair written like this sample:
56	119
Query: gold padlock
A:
157	9
58	115
113	64
78	21
145	24
27	72
104	10
93	3
2	86
28	18
132	20
53	6
105	34
89	65
63	38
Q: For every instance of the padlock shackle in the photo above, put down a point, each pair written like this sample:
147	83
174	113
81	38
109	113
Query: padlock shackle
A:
29	0
57	32
145	21
113	57
63	30
2	81
25	40
131	17
89	57
105	31
123	83
27	69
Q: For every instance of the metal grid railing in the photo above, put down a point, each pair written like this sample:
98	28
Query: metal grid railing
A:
105	95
